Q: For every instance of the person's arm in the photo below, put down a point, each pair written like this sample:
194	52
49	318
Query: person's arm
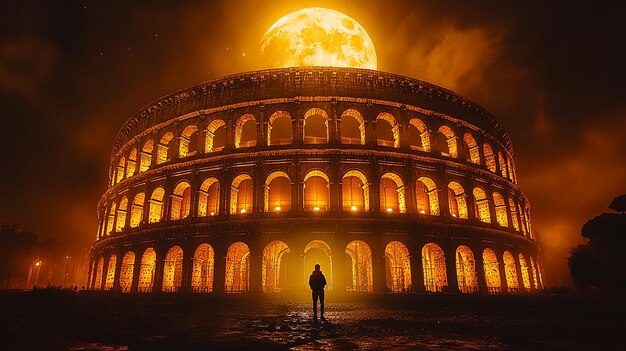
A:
311	281
323	281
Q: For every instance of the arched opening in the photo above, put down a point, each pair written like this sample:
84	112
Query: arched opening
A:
472	148
352	127
527	221
490	158
279	128
355	192
241	195
215	138
277	192
111	219
181	201
156	205
418	135
315	126
203	268
209	198
509	164
447	142
481	205
173	270
146	271
126	271
500	205
108	284
131	163
392	196
188	145
245	131
434	264
120	223
534	273
398	268
387	130
525	275
513	210
274	267
99	272
466	270
316	191
146	156
163	148
502	163
361	268
427	196
119	173
492	272
510	271
237	268
318	252
540	274
136	210
456	200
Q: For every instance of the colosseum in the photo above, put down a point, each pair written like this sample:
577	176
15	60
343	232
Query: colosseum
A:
242	184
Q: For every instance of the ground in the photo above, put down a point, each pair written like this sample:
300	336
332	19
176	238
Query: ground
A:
63	320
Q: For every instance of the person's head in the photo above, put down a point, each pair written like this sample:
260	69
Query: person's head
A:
317	267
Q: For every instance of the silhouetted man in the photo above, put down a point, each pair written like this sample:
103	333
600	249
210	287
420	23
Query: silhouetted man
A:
317	282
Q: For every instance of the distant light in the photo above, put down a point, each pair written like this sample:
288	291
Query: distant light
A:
453	215
243	210
38	263
212	213
423	212
243	54
353	208
389	209
277	208
67	257
316	208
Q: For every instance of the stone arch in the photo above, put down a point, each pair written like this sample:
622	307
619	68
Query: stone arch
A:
279	127
131	162
146	156
502	163
355	191
513	211
111	219
120	222
522	219
110	277
156	212
361	267
457	202
119	173
316	191
501	213
481	205
466	270
434	265
181	201
163	148
215	138
318	252
392	193
188	142
136	210
492	271
237	268
427	196
245	131
352	125
203	269
173	270
510	270
147	271
509	164
277	193
209	197
472	148
274	267
398	267
99	273
449	145
382	134
418	134
241	194
315	126
126	271
533	270
490	158
525	276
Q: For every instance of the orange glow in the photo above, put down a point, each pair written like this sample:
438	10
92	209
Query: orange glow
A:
318	37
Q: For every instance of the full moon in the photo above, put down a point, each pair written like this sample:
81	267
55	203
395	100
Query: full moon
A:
318	37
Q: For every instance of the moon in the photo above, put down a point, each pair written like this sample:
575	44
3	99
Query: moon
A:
318	37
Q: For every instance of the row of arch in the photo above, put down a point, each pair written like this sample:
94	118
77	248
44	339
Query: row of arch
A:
279	195
191	140
508	273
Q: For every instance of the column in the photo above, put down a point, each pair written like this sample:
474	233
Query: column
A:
479	266
417	269
136	271
118	269
158	271
453	282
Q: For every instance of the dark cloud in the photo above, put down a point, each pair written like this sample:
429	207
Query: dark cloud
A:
72	72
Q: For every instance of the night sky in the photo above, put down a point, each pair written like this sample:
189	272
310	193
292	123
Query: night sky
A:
71	73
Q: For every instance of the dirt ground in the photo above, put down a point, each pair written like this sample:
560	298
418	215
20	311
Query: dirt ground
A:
60	320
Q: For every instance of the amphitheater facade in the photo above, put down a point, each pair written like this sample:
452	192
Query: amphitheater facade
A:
242	184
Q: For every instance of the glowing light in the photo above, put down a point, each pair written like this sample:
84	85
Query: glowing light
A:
277	208
453	215
212	213
423	212
353	208
38	263
389	209
243	211
316	208
318	37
